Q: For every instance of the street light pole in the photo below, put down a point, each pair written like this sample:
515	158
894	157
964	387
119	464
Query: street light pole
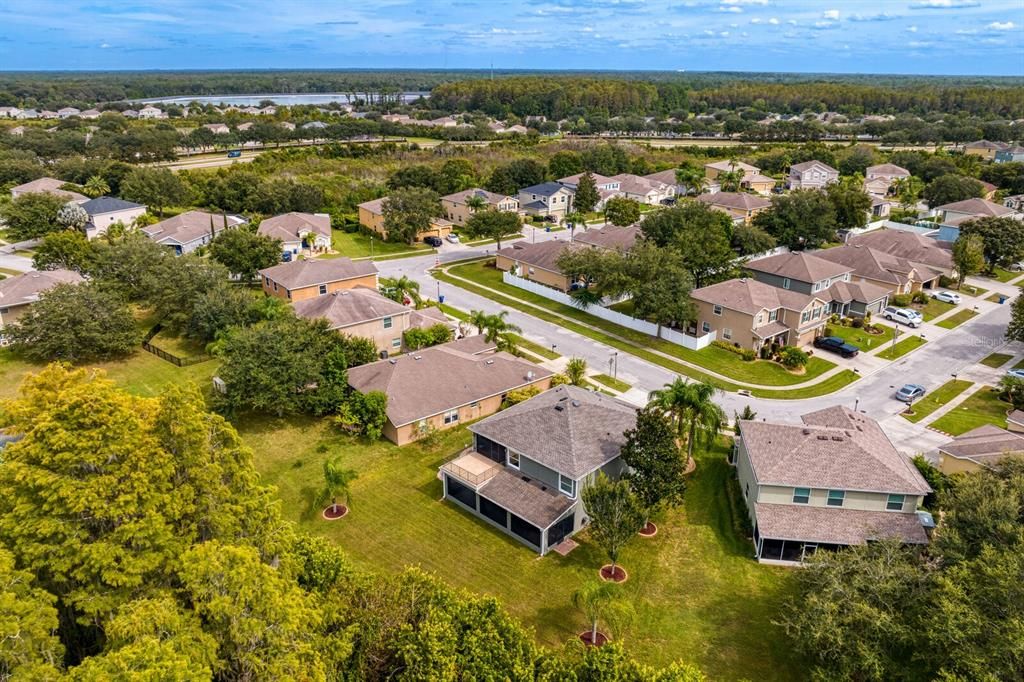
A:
371	247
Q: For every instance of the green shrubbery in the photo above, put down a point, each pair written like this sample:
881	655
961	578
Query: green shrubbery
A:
746	353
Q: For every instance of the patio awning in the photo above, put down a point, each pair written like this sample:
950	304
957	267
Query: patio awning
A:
529	500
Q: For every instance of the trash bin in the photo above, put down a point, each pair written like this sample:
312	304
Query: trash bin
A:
547	229
1003	299
440	299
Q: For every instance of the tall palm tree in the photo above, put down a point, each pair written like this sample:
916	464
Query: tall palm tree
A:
696	416
337	483
601	601
479	319
401	288
475	203
96	186
497	326
693	179
731	180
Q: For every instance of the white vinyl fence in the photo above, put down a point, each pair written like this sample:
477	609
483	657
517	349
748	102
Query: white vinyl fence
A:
670	335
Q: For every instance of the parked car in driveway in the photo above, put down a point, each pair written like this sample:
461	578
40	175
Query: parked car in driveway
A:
433	241
834	344
947	297
1016	373
906	316
453	238
910	392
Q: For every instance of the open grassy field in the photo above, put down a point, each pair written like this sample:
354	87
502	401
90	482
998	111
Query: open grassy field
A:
937	398
983	407
901	348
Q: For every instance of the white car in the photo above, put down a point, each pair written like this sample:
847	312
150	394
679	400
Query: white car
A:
906	316
947	297
453	238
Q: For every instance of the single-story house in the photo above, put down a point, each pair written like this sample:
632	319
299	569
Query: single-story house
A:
753	179
979	448
741	206
309	277
536	262
296	230
440	387
529	464
831	482
49	186
371	215
105	211
19	292
644	190
985	149
955	214
907	244
609	237
190	230
455	207
546	199
217	128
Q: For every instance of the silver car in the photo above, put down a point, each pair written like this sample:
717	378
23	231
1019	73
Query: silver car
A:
947	297
906	316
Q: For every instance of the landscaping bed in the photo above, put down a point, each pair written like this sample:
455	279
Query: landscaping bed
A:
983	407
937	398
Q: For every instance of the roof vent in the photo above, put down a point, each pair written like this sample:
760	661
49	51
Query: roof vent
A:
563	399
822	437
393	361
529	375
838	439
575	403
559	408
417	357
807	432
490	362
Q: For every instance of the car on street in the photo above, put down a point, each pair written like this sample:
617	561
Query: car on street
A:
910	392
835	344
1016	373
947	297
906	316
433	241
453	238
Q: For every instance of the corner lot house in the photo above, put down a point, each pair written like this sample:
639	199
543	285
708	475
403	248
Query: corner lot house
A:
295	230
955	214
19	292
740	206
535	262
979	448
811	175
309	278
546	199
105	211
441	386
897	275
833	482
753	314
371	215
456	209
188	231
49	186
529	464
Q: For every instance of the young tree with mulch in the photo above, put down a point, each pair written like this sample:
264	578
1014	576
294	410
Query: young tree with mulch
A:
656	466
616	515
337	483
601	601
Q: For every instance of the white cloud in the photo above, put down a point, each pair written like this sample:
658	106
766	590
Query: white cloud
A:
744	2
1001	26
104	46
944	4
730	8
883	16
791	22
773	21
911	29
919	43
724	34
831	15
755	20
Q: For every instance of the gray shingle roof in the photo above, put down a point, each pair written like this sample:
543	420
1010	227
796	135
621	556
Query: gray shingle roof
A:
905	244
189	226
526	499
978	207
348	307
985	445
611	237
830	525
49	186
798	265
545	189
543	255
747	295
307	272
735	200
26	288
108	205
288	226
568	429
807	165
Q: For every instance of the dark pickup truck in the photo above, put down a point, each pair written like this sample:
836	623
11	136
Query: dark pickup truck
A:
836	345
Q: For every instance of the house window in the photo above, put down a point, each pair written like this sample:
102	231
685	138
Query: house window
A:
835	498
323	289
760	319
895	503
817	312
726	333
746	491
705	327
451	416
567	485
275	286
396	343
801	495
773	315
785	282
513	459
806	317
717	310
387	323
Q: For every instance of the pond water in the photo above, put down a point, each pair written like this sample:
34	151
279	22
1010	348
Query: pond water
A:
281	99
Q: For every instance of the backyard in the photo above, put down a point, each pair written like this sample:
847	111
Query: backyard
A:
983	407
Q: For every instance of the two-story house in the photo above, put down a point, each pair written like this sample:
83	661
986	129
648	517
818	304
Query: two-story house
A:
897	274
811	175
106	211
753	314
606	187
546	199
529	464
807	274
457	207
985	149
832	482
953	215
1013	154
879	179
644	190
536	262
741	206
371	216
308	278
753	179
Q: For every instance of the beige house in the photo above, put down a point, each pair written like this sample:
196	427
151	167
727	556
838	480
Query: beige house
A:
535	262
645	190
610	237
897	274
190	230
308	278
217	128
811	175
741	206
752	180
442	386
49	186
833	481
19	292
455	208
298	229
106	211
752	314
978	449
360	311
985	149
878	180
371	216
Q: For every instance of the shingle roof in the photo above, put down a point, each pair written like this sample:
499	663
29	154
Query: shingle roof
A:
747	295
50	186
307	272
374	206
574	180
348	307
544	189
906	244
798	265
610	237
864	292
736	200
472	345
440	378
836	448
26	288
525	499
108	205
489	197
543	255
887	169
807	165
878	265
985	144
666	176
568	429
979	207
985	445
635	184
728	166
189	226
428	317
830	525
289	226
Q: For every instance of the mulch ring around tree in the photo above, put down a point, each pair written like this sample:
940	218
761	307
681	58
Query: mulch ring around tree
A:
332	514
691	466
619	575
649	531
600	640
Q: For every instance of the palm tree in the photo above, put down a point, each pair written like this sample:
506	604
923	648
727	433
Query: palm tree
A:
401	288
479	319
497	325
693	179
576	371
96	186
600	601
731	180
337	482
575	219
475	203
695	415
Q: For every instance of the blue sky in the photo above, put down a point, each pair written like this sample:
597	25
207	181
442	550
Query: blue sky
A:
852	36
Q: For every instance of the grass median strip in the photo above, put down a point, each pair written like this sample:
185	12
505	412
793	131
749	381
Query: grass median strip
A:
957	319
983	407
612	382
996	360
901	348
937	398
535	348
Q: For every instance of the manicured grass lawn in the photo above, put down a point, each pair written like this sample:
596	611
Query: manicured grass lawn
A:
1019	365
1003	275
7	272
716	359
625	307
178	345
996	359
933	308
698	595
357	245
937	398
983	407
901	348
994	298
618	384
535	348
972	290
830	385
860	338
956	319
509	238
453	312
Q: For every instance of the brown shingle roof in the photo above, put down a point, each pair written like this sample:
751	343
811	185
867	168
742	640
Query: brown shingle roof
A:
525	499
489	197
835	449
835	526
735	200
906	244
728	166
348	307
747	295
667	177
433	380
374	206
189	226
289	226
807	165
307	272
798	265
878	265
864	292
428	317
542	255
49	186
978	207
985	445
610	237
568	429
26	288
889	169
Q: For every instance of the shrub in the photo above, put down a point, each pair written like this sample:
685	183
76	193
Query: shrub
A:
828	331
900	300
857	323
792	357
919	297
518	396
746	353
946	282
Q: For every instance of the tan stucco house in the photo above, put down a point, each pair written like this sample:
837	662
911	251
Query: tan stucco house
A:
456	210
536	262
308	278
299	230
979	448
106	211
741	206
371	216
18	293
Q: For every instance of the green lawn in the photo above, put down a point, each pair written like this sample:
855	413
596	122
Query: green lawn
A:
357	245
715	359
509	238
937	398
972	290
934	308
1019	365
178	345
535	348
625	307
697	593
901	348
618	384
830	385
994	298
956	319
1003	275
997	359
983	407
453	312
860	338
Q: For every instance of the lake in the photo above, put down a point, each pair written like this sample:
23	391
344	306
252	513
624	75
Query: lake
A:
280	99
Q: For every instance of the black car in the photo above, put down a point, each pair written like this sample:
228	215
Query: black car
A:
836	345
433	241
